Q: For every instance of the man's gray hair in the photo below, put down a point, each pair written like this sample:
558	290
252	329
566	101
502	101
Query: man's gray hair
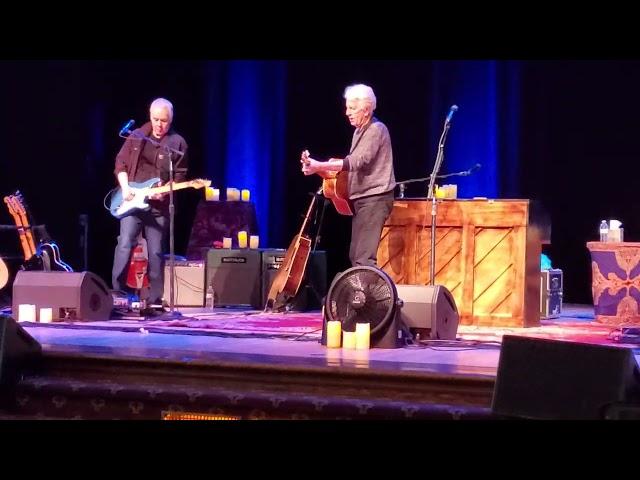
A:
163	103
361	92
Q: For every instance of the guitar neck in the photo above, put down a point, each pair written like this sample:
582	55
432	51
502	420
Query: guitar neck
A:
166	188
306	218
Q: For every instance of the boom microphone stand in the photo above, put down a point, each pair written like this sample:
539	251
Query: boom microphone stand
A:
430	192
172	314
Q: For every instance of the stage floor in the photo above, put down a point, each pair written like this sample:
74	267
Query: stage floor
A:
292	339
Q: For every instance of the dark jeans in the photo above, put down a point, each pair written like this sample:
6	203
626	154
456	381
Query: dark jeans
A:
155	224
369	216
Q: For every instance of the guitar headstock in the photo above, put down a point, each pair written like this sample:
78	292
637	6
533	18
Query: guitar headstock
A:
18	202
11	205
200	183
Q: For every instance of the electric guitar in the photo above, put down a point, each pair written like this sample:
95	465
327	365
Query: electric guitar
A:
137	277
47	255
335	187
142	191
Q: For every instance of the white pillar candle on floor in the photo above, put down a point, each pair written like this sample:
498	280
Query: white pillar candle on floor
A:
334	334
26	312
245	195
363	333
242	239
254	241
46	315
349	340
226	242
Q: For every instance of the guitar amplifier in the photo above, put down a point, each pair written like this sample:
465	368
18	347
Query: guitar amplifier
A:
235	276
313	287
188	283
551	293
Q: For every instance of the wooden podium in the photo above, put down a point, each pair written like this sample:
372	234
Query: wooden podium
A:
487	255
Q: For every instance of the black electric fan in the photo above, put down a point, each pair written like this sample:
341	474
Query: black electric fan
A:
365	294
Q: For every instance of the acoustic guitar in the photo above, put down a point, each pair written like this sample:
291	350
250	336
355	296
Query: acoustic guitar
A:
4	274
289	277
335	187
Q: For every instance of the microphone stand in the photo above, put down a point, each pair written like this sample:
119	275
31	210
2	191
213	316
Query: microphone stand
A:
434	203
172	314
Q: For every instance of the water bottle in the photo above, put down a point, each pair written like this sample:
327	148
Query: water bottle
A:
604	231
208	300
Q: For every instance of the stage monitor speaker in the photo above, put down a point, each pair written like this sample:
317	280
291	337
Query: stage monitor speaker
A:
429	310
188	284
18	350
558	380
235	276
71	295
314	284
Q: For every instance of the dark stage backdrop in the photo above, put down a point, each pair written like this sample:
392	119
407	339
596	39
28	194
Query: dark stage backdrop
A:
560	132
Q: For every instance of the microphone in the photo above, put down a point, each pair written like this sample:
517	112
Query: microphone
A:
473	169
452	110
126	127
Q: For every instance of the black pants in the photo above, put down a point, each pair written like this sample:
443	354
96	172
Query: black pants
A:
369	216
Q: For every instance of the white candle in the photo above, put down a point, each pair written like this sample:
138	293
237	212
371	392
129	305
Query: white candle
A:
26	312
226	242
363	334
334	330
242	239
209	194
349	340
46	315
246	195
230	194
254	241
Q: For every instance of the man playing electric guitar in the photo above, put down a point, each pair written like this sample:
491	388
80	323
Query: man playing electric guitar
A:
371	178
139	161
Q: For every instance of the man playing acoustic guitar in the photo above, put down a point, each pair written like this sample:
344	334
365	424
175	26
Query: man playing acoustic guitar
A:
138	161
369	167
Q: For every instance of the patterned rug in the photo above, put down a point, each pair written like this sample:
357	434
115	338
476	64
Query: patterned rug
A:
575	325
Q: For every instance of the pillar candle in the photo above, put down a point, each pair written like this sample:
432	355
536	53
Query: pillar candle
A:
226	242
26	312
216	194
363	332
254	241
334	330
246	194
349	340
208	194
46	315
242	239
230	194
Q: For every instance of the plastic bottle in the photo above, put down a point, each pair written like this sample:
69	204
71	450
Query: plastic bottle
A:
208	301
604	231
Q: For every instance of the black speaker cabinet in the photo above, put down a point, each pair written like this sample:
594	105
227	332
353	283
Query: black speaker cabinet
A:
314	284
557	380
429	310
235	276
18	350
71	295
